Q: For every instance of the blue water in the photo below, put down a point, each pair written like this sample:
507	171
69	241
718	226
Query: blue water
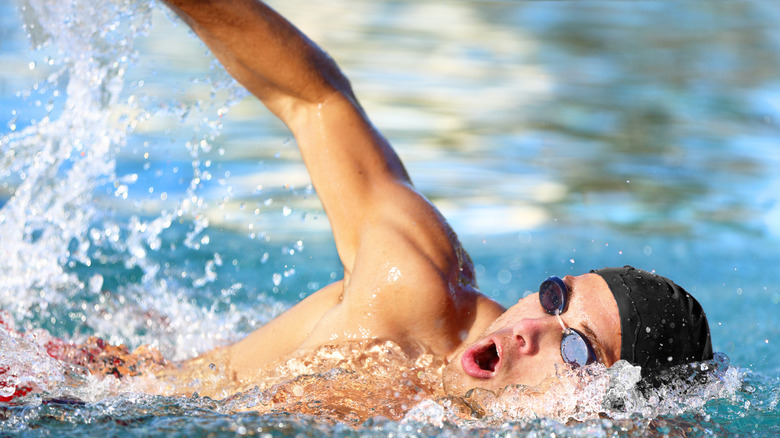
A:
557	137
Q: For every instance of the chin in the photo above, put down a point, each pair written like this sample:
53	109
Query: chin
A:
453	380
457	383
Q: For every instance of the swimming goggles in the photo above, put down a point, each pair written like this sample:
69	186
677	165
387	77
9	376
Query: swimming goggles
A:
575	347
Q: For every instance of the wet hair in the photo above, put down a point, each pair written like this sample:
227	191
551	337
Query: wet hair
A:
661	324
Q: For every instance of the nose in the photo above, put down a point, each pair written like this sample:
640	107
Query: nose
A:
532	333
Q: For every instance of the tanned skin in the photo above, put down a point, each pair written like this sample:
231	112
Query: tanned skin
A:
406	276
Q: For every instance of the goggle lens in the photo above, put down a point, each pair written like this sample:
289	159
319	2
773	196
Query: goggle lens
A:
576	350
553	295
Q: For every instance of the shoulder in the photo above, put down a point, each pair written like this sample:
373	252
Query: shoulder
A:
412	282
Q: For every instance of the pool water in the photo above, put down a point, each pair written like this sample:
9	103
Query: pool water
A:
146	200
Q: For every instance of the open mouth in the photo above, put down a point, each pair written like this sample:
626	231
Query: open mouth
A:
481	361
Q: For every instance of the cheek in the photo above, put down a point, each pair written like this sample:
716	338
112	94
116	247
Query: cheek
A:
531	371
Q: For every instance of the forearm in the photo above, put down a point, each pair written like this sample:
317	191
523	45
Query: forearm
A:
351	165
264	52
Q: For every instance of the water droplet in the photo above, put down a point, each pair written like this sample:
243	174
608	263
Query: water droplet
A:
121	191
96	283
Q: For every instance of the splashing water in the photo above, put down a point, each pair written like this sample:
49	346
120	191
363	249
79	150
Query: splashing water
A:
53	226
59	162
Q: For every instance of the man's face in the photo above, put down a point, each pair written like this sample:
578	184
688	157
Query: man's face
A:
523	345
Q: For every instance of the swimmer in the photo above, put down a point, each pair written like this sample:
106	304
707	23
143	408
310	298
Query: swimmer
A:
407	279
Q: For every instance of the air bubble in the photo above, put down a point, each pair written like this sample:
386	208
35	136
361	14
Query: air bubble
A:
504	276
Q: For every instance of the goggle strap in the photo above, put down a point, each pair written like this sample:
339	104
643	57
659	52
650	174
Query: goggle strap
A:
560	321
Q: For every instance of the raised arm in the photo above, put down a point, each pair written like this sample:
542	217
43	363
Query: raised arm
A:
352	166
406	277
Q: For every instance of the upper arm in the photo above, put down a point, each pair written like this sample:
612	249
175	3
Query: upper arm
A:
356	173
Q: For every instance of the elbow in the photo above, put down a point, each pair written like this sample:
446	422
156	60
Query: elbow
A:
330	95
329	81
319	83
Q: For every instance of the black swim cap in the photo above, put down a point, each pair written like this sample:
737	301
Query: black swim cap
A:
661	324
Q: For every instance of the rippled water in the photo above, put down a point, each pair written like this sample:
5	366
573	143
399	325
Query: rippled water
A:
145	201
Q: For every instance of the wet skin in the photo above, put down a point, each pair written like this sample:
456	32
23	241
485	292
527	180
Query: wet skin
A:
406	278
522	346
